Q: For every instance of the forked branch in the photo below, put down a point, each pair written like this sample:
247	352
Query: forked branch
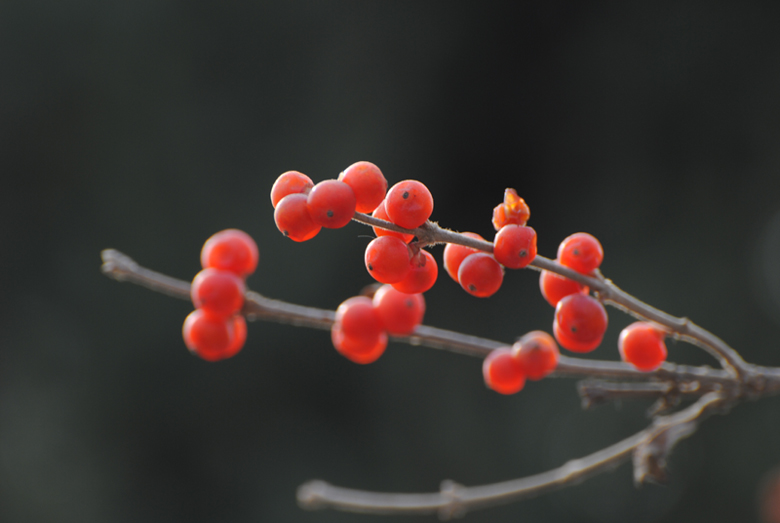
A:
669	384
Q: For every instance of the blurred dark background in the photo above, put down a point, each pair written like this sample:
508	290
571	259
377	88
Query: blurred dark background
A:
149	125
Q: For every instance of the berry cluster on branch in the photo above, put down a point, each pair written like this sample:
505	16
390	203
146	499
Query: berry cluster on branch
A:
398	259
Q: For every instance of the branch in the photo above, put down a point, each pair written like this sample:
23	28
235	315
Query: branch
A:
682	328
648	448
695	381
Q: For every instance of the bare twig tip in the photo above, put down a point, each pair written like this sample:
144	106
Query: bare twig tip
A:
311	495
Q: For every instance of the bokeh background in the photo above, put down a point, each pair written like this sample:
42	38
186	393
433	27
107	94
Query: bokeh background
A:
149	125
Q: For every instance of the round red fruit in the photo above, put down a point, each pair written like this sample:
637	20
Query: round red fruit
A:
219	292
480	275
388	259
291	182
502	372
454	255
642	345
555	287
230	250
357	351
409	204
580	322
400	313
331	204
211	337
293	219
537	353
422	275
581	252
367	182
514	246
359	320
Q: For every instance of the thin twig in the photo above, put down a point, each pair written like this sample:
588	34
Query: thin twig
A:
649	449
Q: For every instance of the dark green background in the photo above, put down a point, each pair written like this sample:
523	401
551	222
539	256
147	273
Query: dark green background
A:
148	125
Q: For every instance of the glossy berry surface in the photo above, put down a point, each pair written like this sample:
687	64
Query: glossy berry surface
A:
454	255
399	312
213	338
388	259
642	345
355	350
514	211
331	204
219	292
422	274
230	250
368	183
409	204
291	182
580	322
537	354
502	372
292	218
359	320
581	252
514	246
480	274
380	213
554	287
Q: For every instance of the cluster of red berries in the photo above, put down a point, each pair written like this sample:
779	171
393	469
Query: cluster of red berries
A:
581	320
533	357
302	209
363	323
216	330
514	247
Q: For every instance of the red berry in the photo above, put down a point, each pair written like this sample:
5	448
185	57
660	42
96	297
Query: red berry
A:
356	351
380	213
293	219
409	204
422	276
359	320
502	372
454	255
581	252
513	211
291	182
219	292
555	287
514	246
537	353
388	259
580	322
213	337
642	345
400	313
331	204
367	182
230	250
480	274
